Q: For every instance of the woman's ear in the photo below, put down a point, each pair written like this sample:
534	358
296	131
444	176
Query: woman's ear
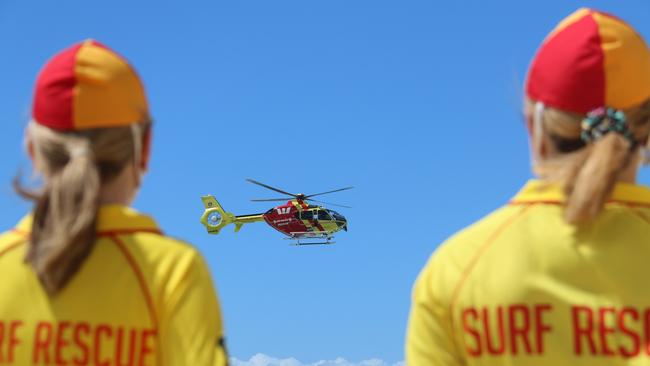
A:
146	150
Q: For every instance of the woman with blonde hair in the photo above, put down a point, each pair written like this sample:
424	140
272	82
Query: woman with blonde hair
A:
559	275
86	280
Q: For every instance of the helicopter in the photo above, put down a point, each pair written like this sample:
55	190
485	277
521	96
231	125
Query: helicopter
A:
306	223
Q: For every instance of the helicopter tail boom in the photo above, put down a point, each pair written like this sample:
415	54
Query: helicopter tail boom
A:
247	219
215	218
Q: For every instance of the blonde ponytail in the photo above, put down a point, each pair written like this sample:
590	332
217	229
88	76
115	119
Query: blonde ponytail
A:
588	172
75	166
592	179
65	217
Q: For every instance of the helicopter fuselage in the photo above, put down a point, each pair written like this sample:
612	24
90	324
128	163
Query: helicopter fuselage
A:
298	219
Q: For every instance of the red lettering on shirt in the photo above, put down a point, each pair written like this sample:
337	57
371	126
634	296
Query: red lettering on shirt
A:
519	329
646	329
133	338
498	350
540	326
505	328
42	340
61	343
13	339
2	332
583	329
604	329
81	329
67	343
101	329
472	331
634	337
144	344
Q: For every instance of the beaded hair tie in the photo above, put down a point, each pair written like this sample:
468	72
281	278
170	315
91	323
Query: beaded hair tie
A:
602	121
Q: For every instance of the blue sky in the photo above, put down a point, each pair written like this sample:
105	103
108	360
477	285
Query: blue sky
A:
416	103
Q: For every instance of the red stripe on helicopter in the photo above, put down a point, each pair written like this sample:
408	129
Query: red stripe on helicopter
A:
318	225
314	223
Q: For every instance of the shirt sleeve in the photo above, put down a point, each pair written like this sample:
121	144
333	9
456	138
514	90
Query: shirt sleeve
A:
429	339
191	325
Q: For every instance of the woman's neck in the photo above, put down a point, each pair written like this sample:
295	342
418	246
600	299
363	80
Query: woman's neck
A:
121	190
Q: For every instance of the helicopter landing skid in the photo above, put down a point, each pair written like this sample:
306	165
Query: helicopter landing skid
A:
298	243
301	237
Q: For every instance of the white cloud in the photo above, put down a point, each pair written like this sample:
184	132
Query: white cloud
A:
261	359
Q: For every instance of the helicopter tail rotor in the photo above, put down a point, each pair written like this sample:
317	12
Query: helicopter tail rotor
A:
214	217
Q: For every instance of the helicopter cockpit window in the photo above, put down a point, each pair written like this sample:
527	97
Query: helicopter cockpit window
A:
337	216
324	215
306	215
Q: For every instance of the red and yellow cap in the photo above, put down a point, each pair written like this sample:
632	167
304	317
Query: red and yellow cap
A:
88	86
591	60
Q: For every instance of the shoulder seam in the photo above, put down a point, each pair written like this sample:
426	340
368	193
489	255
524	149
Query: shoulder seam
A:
560	203
111	233
640	214
11	247
140	276
477	256
146	291
15	244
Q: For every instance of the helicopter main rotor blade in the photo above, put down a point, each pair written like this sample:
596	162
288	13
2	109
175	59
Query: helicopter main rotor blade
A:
328	192
327	203
271	188
270	200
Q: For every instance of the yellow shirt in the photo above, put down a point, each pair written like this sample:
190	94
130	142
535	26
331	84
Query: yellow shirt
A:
140	298
522	287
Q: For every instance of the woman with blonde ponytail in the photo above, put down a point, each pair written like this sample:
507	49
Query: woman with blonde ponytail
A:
559	275
86	279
